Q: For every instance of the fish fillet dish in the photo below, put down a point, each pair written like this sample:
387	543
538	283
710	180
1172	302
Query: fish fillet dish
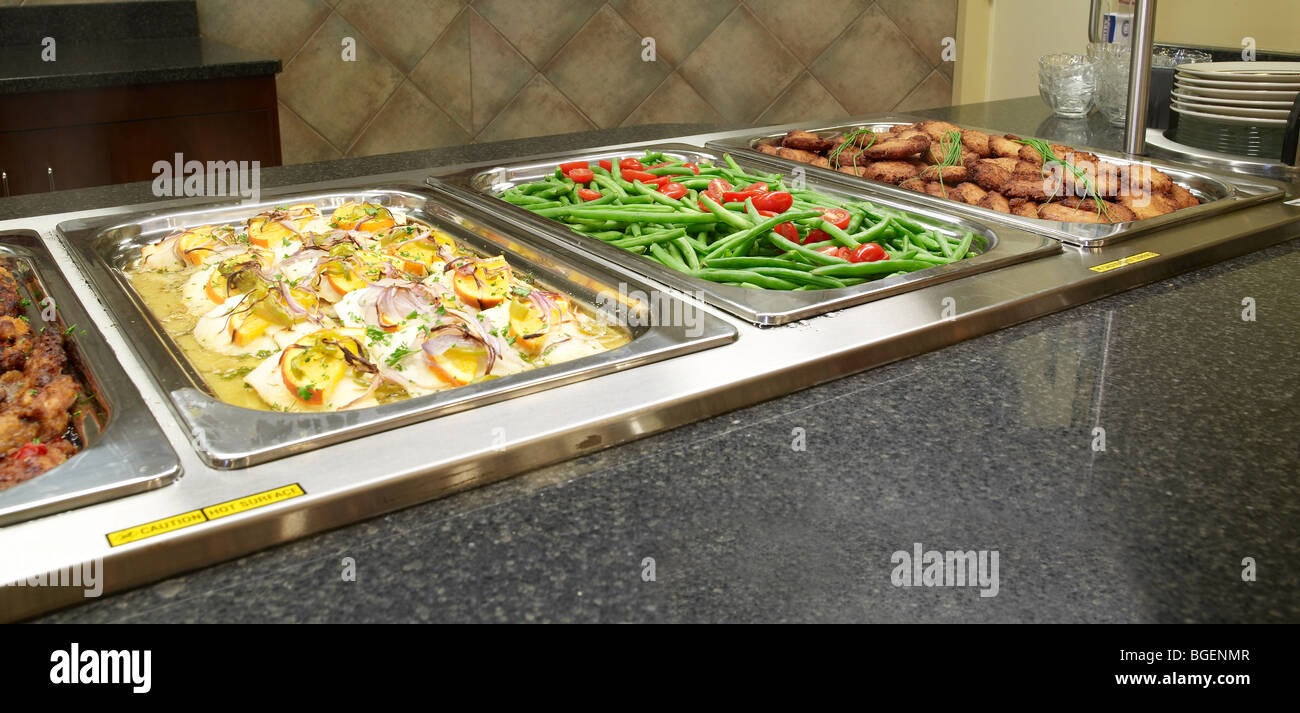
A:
38	393
298	310
1008	174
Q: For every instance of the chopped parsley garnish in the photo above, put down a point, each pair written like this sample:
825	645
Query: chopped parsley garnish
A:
414	313
234	373
398	354
264	354
305	392
377	336
520	292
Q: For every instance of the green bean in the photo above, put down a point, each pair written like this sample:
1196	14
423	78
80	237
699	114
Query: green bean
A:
611	184
862	269
802	277
645	216
745	263
756	278
688	252
838	235
812	255
725	215
737	239
667	258
661	236
964	246
655	195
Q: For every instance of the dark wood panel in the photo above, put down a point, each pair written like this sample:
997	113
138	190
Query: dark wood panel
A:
135	146
43	110
97	137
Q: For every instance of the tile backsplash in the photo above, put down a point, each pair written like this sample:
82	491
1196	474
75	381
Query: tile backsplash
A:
433	73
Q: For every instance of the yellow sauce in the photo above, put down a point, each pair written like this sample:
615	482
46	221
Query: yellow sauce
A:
162	292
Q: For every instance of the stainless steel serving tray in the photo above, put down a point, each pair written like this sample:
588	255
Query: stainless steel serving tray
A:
123	449
481	183
1218	192
228	436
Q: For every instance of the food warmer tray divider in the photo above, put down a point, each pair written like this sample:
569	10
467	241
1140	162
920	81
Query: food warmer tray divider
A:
124	451
229	436
482	183
1218	192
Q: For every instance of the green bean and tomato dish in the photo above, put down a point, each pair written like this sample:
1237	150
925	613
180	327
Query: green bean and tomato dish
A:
735	226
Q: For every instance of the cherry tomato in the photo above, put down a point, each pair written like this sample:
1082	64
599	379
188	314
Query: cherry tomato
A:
566	167
817	235
630	164
27	450
868	252
837	217
658	181
766	213
788	231
632	174
587	194
661	164
717	187
833	251
605	164
673	190
759	187
581	175
778	201
695	169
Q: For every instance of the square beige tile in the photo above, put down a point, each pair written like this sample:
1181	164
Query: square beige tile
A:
872	66
537	28
402	30
935	91
538	110
336	97
805	100
278	29
444	73
925	22
740	41
408	122
674	102
300	143
677	26
806	27
609	89
497	71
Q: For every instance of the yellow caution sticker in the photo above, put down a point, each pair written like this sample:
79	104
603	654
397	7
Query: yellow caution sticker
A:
197	517
1123	262
231	507
157	527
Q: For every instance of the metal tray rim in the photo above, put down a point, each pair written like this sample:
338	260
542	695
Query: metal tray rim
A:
1006	248
210	422
130	455
1081	234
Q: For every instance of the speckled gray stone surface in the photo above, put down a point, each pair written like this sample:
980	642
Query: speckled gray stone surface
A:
98	22
99	65
986	444
114	44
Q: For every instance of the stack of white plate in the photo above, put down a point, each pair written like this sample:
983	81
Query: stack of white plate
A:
1235	107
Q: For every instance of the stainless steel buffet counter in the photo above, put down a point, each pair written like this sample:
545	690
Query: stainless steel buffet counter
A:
210	514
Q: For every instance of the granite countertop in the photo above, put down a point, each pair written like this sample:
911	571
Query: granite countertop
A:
91	52
987	444
97	65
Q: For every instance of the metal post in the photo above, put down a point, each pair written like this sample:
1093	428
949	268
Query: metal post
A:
1139	76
